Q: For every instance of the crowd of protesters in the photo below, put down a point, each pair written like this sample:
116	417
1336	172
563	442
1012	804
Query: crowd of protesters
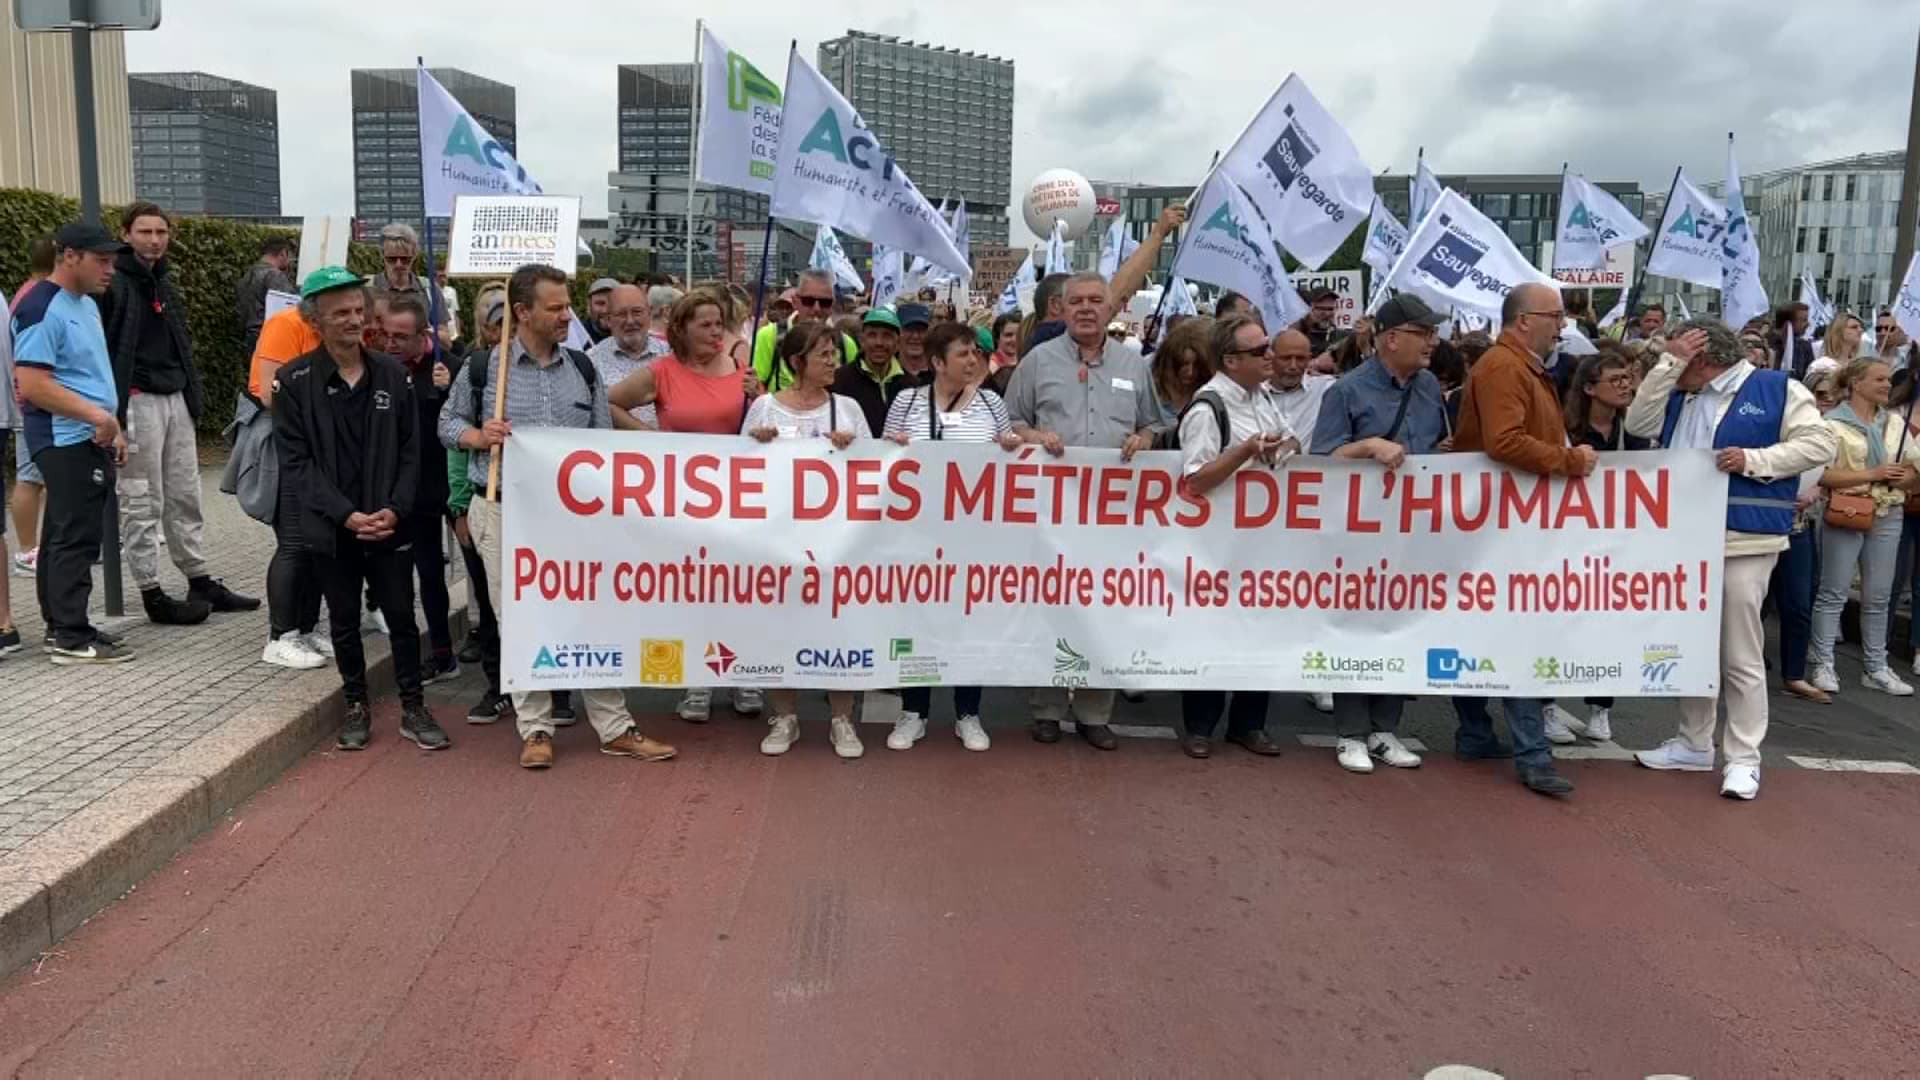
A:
366	436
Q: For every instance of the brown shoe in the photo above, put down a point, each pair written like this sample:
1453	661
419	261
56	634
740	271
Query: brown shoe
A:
1806	690
634	744
537	753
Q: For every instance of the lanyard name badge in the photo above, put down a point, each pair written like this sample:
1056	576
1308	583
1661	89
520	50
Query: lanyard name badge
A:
938	420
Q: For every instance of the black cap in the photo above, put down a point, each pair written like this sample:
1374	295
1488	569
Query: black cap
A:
1322	293
81	236
915	315
1403	310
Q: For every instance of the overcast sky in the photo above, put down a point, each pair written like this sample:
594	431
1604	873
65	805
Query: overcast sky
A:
1623	89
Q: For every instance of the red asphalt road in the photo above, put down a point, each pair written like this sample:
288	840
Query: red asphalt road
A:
1031	911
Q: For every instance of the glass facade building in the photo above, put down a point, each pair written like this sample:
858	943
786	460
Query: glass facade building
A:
386	138
205	145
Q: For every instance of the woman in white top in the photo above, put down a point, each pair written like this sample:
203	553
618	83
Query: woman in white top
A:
1876	459
1840	347
954	408
806	409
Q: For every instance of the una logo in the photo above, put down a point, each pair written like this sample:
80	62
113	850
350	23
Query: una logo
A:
1447	665
1546	667
463	142
719	658
825	138
1067	660
1451	258
745	84
1289	155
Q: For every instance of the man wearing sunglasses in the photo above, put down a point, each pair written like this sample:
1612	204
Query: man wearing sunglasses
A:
399	245
812	302
1890	341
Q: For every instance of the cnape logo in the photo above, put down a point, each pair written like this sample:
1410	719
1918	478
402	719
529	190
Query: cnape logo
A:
462	142
1451	665
662	662
745	84
831	661
1658	665
825	137
1070	668
559	661
1455	257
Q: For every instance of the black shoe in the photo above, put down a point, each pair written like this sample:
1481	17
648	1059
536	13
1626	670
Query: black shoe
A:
1196	746
99	635
1498	751
1100	736
1545	781
491	706
357	728
93	652
439	669
9	641
164	610
1133	697
417	724
219	597
1046	731
1256	742
563	709
469	650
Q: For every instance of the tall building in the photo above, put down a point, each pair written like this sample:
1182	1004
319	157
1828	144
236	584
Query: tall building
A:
38	137
1526	205
203	144
945	115
386	138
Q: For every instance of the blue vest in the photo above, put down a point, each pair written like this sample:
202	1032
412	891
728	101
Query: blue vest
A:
1752	422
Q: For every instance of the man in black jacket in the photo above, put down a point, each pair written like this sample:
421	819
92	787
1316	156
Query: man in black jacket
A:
270	274
409	334
349	439
160	397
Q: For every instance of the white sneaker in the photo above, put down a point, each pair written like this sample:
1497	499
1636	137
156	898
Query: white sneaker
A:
1388	748
1558	732
1886	682
748	702
1823	678
696	706
1676	756
846	741
1354	757
1322	702
909	729
1741	782
782	733
319	641
1599	726
26	563
1916	662
372	622
290	650
973	736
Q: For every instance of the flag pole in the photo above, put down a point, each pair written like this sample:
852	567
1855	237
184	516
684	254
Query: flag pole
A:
1158	330
426	219
693	133
1640	275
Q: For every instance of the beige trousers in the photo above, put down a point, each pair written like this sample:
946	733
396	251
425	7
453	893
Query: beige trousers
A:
1743	667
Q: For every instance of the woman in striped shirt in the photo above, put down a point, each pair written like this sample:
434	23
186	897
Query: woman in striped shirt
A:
954	407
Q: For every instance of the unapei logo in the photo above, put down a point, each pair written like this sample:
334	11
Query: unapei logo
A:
1560	670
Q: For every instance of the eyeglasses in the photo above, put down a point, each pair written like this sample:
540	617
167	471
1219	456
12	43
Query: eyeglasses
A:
814	301
1623	378
631	313
1257	350
399	260
1561	314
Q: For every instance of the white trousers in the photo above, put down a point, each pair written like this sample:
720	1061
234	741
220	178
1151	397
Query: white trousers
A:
1743	667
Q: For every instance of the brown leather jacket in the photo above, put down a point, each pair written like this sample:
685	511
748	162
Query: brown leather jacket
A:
1511	412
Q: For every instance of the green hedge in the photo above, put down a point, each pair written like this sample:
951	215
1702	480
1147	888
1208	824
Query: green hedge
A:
208	255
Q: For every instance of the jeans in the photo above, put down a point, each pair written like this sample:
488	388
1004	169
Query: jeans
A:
1526	720
293	584
1909	572
919	699
1874	553
1246	713
1792	590
1356	716
388	573
487	631
430	565
79	479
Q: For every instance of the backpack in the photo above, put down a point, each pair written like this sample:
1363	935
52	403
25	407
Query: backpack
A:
477	376
1170	438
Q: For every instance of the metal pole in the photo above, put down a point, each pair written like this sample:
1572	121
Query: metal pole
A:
83	115
693	133
1909	187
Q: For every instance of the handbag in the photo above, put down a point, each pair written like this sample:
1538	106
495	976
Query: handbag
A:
1854	513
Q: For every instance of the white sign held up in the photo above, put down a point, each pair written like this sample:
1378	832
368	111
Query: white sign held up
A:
494	235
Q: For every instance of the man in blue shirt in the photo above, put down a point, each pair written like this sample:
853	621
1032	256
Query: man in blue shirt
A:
66	378
1388	407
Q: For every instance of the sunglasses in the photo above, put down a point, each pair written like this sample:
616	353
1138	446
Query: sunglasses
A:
814	301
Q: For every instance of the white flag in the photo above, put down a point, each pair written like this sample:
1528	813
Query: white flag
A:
1118	248
829	255
889	270
1234	249
1819	312
1457	258
1614	314
1591	221
1386	239
1178	299
1906	302
962	238
1742	296
833	171
1422	192
1681	303
1010	296
1058	260
1299	167
740	121
457	156
1688	246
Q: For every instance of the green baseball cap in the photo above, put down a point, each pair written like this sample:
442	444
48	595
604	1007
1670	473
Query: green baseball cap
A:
882	316
327	279
985	337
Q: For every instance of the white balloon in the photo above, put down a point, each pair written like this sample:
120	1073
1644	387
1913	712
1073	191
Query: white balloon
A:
1058	194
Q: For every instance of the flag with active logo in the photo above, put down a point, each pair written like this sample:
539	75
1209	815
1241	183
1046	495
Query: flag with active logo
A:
1022	278
1232	248
1687	247
1178	298
1118	248
739	120
889	273
1742	297
1819	312
829	255
1906	302
832	170
1299	167
457	155
1386	239
1423	191
1591	221
1459	259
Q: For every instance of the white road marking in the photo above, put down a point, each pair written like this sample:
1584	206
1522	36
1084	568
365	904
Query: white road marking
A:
1894	768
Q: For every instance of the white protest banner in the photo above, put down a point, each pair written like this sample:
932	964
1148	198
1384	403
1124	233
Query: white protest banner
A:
830	256
457	156
494	235
1688	245
1906	302
1423	191
1457	258
1232	248
1742	297
1592	223
1614	272
324	241
1179	298
700	560
1347	290
1022	278
1386	238
1300	168
739	121
1058	259
1681	303
1615	313
832	170
1117	248
889	274
1819	312
278	302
